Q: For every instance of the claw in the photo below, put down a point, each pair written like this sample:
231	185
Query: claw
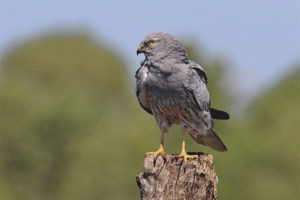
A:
160	151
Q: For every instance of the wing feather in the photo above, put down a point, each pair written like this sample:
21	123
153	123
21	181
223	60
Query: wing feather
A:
219	114
196	83
201	93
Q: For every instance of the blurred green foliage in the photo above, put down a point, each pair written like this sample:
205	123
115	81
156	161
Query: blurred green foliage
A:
71	128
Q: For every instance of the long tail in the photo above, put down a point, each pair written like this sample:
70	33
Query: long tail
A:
211	139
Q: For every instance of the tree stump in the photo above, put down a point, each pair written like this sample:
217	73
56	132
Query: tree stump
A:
171	179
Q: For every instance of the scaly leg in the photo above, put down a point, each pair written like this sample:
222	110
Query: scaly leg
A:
183	152
160	151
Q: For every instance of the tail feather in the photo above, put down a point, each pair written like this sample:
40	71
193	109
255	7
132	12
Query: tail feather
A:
211	139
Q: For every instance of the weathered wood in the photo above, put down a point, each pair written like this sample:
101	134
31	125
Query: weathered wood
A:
171	180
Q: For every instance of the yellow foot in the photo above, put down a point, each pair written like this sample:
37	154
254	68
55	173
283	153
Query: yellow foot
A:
160	151
185	156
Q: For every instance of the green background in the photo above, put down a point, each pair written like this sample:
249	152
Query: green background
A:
71	127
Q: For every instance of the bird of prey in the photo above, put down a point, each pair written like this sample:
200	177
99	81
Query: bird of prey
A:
173	89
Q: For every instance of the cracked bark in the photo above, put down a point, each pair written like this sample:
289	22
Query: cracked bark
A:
169	179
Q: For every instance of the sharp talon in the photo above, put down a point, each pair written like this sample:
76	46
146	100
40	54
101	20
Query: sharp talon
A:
184	167
163	154
165	159
160	151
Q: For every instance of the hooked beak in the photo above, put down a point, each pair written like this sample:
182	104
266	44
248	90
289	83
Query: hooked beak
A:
140	50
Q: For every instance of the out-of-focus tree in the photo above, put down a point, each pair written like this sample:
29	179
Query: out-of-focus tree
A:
263	160
71	128
55	92
274	137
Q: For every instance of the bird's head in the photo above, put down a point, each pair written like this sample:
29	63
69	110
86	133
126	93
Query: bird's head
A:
162	45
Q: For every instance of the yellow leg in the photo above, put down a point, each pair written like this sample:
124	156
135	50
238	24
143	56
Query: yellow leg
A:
183	152
160	151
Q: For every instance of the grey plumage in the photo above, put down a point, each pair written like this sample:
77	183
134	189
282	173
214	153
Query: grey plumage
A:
173	89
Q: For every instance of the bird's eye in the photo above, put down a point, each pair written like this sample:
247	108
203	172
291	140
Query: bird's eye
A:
152	42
